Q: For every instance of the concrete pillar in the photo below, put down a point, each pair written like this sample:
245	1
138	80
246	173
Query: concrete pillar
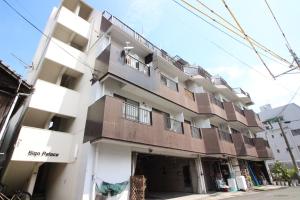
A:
234	167
269	172
201	182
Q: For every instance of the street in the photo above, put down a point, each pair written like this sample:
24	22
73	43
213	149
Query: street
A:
292	193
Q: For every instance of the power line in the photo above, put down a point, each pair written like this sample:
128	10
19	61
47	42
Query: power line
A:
295	57
45	35
247	38
227	52
258	44
235	39
265	49
283	34
292	98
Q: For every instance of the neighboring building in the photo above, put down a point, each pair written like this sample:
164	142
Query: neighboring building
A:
108	104
13	93
291	127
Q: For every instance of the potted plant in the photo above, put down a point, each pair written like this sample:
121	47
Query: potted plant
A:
276	172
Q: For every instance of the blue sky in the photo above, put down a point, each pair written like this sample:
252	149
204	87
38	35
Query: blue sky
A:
180	33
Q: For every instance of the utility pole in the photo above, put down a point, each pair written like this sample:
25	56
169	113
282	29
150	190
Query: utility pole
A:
288	148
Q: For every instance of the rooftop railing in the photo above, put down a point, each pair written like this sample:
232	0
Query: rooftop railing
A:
114	20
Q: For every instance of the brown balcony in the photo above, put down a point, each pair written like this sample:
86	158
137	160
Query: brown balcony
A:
263	149
253	121
244	96
244	145
234	113
109	119
208	104
218	142
220	81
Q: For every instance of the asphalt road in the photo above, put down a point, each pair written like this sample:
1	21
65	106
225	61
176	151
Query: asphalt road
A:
292	193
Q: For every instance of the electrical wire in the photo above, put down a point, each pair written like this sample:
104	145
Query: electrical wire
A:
283	34
292	98
235	39
265	49
247	38
45	35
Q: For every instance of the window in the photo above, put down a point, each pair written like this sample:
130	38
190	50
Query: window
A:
132	111
296	132
278	151
169	83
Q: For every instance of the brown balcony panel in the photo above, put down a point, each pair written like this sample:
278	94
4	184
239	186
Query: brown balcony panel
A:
206	106
112	125
178	97
263	148
216	145
253	120
244	146
234	113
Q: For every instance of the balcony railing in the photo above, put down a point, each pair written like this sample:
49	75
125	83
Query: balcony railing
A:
241	91
216	101
189	94
141	39
239	110
135	113
221	81
169	83
196	132
136	64
173	125
225	136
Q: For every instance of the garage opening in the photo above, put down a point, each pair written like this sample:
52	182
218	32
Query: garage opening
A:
215	170
167	176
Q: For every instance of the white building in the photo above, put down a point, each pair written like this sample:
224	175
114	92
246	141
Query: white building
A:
291	126
104	109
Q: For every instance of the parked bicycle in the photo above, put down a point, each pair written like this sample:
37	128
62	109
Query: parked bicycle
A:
17	195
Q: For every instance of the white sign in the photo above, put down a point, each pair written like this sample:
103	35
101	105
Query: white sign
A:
41	145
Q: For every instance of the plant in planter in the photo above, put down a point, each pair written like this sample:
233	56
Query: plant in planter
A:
293	177
277	172
285	176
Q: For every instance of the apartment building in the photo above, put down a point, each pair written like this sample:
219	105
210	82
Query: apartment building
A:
108	104
291	128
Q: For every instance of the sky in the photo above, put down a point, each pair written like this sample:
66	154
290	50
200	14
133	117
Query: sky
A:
179	32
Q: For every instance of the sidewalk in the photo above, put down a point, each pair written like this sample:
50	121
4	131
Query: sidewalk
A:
216	195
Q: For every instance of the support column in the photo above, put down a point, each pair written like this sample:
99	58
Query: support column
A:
200	176
268	171
235	168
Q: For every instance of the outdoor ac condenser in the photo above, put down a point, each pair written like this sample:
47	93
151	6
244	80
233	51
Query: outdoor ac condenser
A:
241	183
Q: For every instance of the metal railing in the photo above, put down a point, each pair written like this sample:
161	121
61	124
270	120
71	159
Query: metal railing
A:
189	94
169	83
173	125
225	136
135	113
216	101
136	64
239	110
196	132
241	91
197	71
221	81
141	39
